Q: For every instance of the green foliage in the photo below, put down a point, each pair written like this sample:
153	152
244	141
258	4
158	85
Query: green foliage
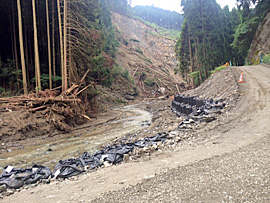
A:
44	78
150	32
148	60
195	75
120	72
134	40
150	82
139	51
158	16
244	35
121	6
266	59
99	72
218	69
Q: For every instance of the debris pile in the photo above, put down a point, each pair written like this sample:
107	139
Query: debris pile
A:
49	109
16	178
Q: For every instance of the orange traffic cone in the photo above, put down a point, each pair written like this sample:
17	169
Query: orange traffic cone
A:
241	79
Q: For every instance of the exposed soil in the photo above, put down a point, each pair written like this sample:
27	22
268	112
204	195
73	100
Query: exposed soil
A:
148	56
18	125
225	160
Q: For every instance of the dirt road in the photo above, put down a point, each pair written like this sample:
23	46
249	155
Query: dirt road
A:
229	163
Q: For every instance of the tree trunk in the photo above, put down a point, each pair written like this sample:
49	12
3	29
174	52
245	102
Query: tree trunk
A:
199	66
61	43
15	45
53	40
21	47
37	65
191	58
65	48
49	45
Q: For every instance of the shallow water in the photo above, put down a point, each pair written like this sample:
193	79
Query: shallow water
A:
49	154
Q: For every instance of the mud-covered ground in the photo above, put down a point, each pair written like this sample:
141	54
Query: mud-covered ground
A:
225	160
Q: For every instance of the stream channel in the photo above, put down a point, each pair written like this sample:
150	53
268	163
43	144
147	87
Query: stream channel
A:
131	119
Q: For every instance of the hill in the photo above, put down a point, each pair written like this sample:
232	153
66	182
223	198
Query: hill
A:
161	17
148	54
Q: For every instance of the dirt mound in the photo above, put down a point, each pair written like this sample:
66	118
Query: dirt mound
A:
221	85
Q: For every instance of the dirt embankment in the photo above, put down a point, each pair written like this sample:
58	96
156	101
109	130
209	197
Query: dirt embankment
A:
148	56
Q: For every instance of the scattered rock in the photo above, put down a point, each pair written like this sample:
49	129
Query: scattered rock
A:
107	164
9	192
3	188
126	157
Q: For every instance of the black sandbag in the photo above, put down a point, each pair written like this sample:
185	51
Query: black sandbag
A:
87	159
68	168
16	178
113	158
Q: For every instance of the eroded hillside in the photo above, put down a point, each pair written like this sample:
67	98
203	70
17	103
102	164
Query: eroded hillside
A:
261	42
147	55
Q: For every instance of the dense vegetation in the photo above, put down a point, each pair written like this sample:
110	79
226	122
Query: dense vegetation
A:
163	18
51	43
72	38
212	36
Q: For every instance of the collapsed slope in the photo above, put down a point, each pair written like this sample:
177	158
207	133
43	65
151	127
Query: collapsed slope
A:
148	56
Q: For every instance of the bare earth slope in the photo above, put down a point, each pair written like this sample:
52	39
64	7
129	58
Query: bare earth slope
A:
148	55
227	163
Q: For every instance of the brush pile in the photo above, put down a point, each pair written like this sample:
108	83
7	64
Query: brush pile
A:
43	112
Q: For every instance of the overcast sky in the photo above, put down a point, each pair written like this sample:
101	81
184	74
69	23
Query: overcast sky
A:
174	5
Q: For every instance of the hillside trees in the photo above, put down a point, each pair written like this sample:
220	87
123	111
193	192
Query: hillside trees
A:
250	20
208	30
59	41
163	18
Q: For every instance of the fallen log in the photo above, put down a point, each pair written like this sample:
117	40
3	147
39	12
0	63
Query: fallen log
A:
13	100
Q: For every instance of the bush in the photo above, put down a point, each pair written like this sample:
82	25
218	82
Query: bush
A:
266	59
119	71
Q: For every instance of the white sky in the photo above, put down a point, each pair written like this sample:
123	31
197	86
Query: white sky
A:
174	5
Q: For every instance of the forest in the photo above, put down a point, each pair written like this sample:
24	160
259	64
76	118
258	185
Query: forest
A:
212	36
51	43
167	19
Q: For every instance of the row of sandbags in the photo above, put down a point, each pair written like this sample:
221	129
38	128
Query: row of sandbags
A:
16	178
194	107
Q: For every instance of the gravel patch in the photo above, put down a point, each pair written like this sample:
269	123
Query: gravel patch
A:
241	176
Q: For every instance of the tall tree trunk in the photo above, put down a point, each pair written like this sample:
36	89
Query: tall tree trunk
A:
49	45
61	43
53	40
21	47
65	47
15	45
199	66
37	65
191	58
